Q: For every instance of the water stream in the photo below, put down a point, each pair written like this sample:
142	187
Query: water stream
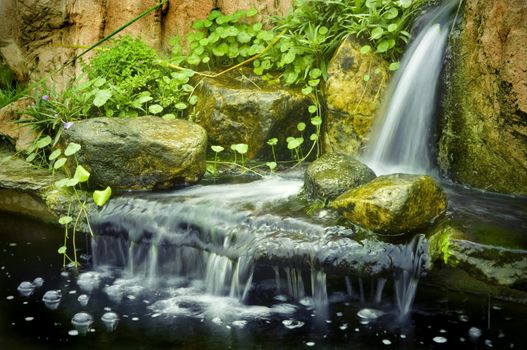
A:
401	138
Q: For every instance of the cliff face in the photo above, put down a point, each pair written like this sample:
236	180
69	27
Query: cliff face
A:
38	36
484	132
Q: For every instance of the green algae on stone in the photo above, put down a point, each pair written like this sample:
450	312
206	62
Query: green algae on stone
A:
333	174
352	101
393	204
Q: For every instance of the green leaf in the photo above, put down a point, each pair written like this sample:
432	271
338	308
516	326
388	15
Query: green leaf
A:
81	174
377	71
101	97
193	60
257	27
316	120
307	90
193	100
313	82
62	250
365	49
72	182
155	109
394	66
313	137
31	157
59	163
272	142
315	73
142	99
72	149
61	183
251	12
243	37
271	165
312	109
64	220
43	142
366	77
383	46
217	148
295	143
323	30
55	154
301	126
391	13
169	116
288	57
101	197
393	27
242	148
180	106
99	82
377	32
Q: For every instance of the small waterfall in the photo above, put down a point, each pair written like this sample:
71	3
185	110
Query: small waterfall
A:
401	137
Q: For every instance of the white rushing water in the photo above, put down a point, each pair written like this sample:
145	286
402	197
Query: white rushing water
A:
401	136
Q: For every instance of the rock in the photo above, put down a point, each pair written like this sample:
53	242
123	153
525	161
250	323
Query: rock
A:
489	263
139	153
21	135
333	174
393	203
233	110
484	132
352	102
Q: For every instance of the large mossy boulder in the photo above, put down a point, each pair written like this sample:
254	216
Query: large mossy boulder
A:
355	85
139	153
393	204
233	110
484	136
333	174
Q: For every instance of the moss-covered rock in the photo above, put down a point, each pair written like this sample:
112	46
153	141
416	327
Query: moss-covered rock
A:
393	203
355	84
333	174
489	263
139	153
484	132
233	110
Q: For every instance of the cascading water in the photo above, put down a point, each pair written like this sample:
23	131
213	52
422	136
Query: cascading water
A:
220	235
400	139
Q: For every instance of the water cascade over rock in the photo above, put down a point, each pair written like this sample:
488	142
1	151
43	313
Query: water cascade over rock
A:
209	234
400	140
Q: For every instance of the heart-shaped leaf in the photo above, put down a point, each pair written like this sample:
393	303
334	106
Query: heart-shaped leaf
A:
101	197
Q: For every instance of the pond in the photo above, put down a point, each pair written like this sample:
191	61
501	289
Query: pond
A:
164	305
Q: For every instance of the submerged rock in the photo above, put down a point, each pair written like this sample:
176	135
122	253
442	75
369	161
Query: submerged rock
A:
393	203
484	132
234	110
139	153
355	84
333	174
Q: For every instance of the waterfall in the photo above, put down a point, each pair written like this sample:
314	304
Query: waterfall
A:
401	136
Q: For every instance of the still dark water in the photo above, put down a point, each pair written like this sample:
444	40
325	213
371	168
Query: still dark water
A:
28	249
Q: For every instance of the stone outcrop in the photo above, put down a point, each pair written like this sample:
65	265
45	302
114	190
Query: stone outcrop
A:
38	37
484	136
351	100
333	174
393	204
139	153
233	110
22	136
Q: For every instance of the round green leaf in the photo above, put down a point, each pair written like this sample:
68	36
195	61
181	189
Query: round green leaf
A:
383	46
313	137
251	12
315	73
62	250
392	27
323	30
64	220
272	142
242	148
312	109
391	13
366	77
155	109
101	97
365	49
81	174
55	154
59	163
377	32
169	116
301	126
316	120
217	148
43	142
271	165
394	66
180	106
31	157
72	149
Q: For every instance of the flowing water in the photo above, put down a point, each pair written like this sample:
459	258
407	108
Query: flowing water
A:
401	138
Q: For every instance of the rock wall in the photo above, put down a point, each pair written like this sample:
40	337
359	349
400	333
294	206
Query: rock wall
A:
39	36
484	133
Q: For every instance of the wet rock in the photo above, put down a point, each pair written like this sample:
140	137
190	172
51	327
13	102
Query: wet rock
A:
233	110
352	102
393	203
21	135
491	264
484	132
333	174
139	153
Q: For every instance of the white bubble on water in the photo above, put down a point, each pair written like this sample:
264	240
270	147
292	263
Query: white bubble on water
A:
10	297
439	340
344	326
38	282
292	324
83	299
29	318
369	314
310	343
88	281
26	288
239	323
386	342
474	332
135	318
216	320
82	322
110	320
488	343
402	336
52	299
73	332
